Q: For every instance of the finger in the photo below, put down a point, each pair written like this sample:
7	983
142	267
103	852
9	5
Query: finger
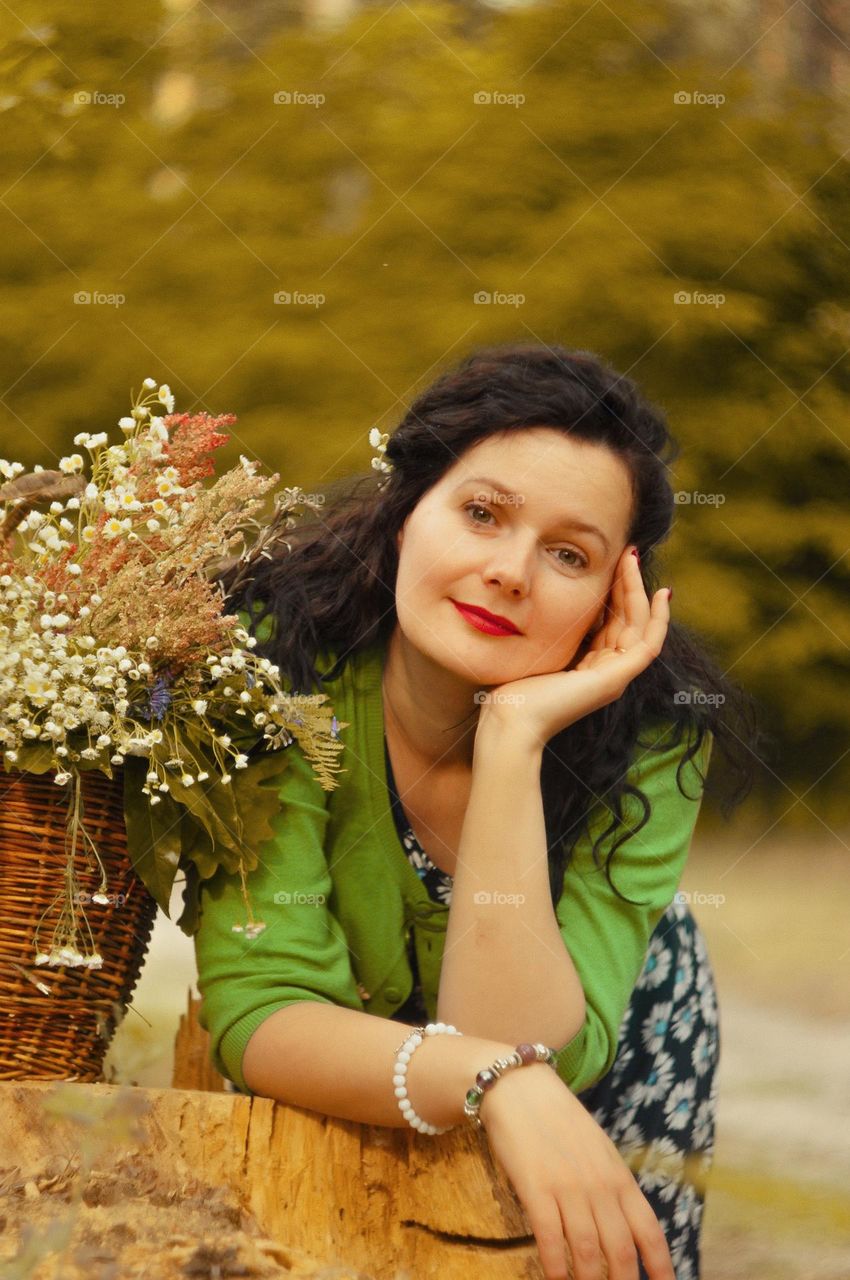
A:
630	611
545	1222
655	630
609	636
647	1234
616	1238
582	1236
636	606
647	638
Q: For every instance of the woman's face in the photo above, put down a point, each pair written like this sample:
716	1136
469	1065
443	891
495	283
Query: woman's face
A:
521	554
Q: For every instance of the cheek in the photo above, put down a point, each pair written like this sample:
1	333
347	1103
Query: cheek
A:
426	560
419	583
569	621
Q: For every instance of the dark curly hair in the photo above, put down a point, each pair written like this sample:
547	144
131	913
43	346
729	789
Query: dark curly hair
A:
332	590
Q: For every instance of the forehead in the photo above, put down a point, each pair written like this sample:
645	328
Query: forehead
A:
557	475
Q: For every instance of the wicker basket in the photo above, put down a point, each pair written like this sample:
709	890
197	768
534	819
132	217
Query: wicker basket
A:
64	1035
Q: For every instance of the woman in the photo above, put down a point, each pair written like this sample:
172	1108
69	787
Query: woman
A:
523	722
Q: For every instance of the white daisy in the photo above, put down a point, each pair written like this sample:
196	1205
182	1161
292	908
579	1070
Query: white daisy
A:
663	1165
703	1052
656	1026
658	1081
679	1107
684	1020
656	966
632	1144
684	976
704	1126
689	1208
708	1005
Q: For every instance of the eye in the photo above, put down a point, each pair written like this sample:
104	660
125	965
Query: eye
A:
580	561
476	506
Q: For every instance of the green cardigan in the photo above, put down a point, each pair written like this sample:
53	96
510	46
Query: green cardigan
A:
338	894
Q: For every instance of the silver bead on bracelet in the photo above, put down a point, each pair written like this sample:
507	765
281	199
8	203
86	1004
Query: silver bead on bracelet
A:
523	1056
403	1056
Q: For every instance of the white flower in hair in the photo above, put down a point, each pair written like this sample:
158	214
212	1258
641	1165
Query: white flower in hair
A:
378	440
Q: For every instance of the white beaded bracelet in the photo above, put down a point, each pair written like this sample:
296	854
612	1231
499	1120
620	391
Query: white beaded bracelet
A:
404	1054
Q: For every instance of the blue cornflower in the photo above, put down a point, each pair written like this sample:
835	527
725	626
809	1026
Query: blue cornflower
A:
159	698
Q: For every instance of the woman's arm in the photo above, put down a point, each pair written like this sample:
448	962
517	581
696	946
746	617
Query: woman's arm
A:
604	936
572	1182
506	972
513	965
340	1062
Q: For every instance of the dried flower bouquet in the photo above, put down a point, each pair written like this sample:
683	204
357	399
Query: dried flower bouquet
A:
115	651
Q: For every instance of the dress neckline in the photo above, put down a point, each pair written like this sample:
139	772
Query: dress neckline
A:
405	831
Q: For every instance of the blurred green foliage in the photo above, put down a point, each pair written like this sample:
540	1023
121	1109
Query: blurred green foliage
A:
184	187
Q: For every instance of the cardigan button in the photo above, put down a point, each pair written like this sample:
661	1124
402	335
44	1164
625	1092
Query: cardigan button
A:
392	993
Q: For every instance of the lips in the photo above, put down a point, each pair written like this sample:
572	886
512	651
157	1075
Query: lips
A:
489	623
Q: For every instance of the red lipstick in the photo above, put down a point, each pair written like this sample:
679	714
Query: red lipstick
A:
492	624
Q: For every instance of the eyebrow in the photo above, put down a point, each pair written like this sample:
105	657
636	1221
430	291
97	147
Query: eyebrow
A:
567	522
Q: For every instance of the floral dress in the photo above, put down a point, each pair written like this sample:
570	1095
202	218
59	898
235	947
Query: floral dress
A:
658	1102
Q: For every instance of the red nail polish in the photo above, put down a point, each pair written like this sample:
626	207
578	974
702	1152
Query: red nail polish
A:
669	594
636	554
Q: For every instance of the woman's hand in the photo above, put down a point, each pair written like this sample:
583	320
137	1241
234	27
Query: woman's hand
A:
575	1187
630	639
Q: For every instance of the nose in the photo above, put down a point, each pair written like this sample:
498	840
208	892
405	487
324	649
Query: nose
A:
511	563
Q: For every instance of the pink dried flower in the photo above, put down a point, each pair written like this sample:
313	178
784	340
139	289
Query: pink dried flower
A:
193	436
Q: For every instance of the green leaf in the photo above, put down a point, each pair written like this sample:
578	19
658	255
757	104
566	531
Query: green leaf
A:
189	918
256	798
153	833
211	803
225	822
35	758
257	795
197	847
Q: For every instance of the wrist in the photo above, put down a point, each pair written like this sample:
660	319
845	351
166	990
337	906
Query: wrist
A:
442	1071
501	1098
524	1055
505	735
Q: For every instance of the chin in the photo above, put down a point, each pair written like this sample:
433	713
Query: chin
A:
477	673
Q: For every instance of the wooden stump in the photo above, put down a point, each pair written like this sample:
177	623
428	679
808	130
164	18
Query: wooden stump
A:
291	1192
192	1066
196	1180
388	1201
